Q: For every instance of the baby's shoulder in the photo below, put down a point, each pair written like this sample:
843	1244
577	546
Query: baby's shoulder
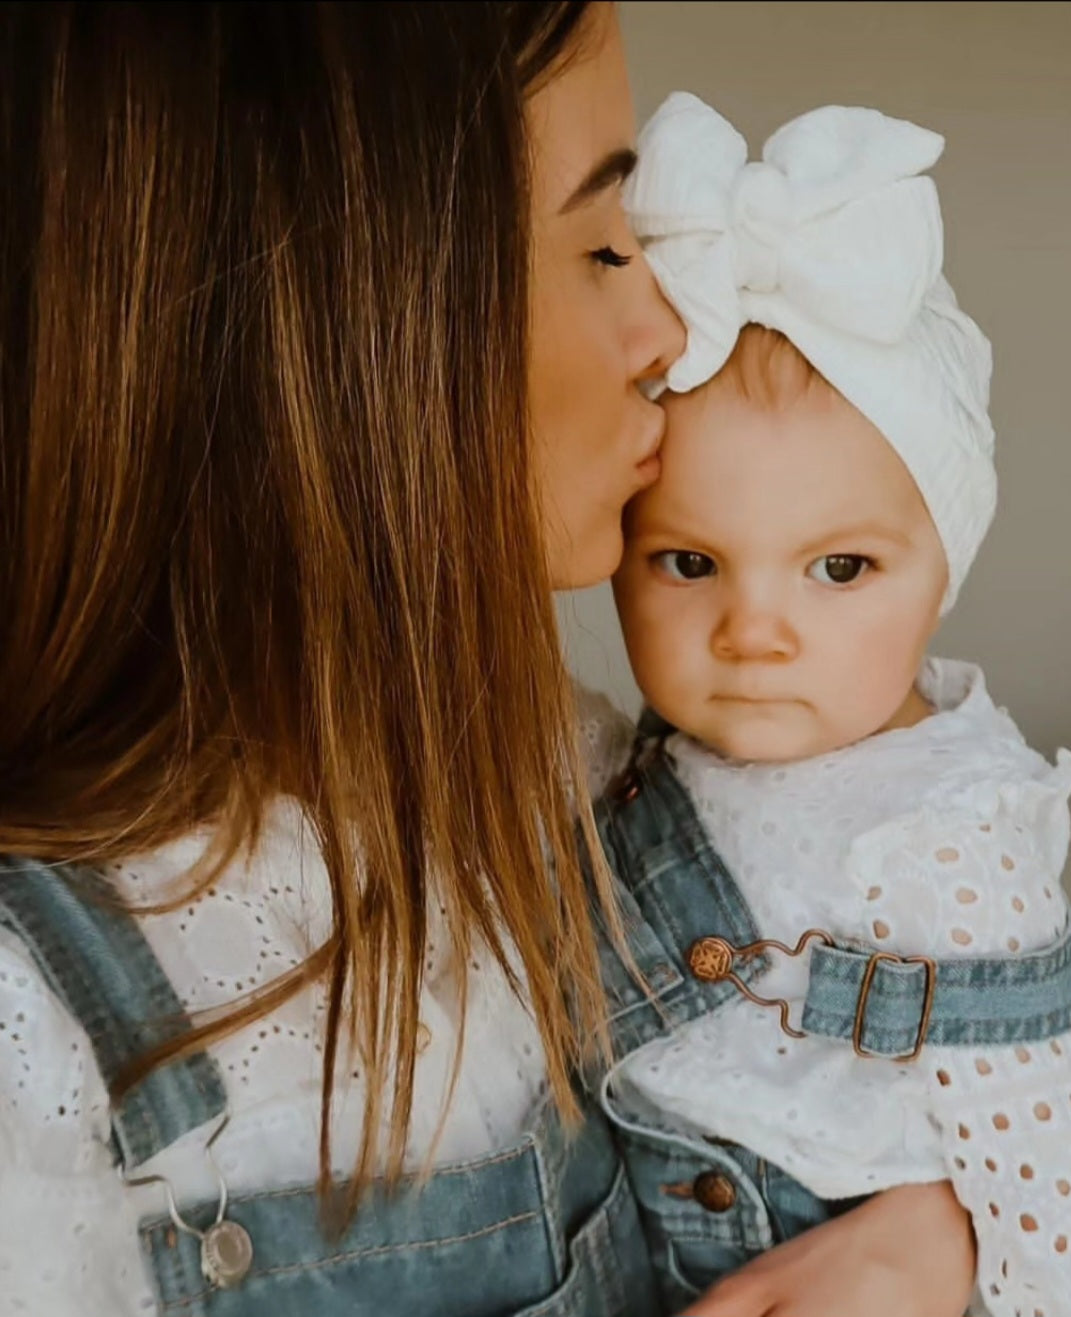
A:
975	860
969	759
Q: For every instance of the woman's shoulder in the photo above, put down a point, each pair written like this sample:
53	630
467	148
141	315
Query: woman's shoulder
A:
67	1240
53	1101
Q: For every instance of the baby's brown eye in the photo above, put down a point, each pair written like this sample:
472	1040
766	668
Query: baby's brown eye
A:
682	565
839	568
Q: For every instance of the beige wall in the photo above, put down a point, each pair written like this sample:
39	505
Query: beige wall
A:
995	79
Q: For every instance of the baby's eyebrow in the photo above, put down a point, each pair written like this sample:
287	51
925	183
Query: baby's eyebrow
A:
610	170
861	530
668	536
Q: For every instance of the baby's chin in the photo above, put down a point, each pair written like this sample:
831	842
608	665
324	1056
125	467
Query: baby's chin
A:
759	750
777	736
782	731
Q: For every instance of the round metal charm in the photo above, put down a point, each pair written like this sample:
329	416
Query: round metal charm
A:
226	1254
711	959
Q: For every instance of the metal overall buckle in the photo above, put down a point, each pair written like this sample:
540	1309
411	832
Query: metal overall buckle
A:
713	958
864	994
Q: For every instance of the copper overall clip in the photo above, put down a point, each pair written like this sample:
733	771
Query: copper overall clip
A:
712	959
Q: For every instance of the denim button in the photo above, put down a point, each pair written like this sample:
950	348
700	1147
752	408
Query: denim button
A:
714	1191
710	959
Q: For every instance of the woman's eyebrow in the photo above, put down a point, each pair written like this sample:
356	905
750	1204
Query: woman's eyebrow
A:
610	170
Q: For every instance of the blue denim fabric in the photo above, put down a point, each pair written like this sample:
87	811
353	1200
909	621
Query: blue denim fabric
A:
693	1244
545	1228
977	999
672	890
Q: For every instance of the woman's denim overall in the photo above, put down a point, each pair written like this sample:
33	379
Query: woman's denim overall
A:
709	1205
545	1228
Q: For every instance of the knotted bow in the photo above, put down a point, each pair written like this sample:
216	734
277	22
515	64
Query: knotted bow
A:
833	225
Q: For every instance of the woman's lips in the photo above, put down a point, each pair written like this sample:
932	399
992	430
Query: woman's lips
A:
649	469
649	465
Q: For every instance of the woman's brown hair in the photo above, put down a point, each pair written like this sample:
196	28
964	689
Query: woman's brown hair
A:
267	525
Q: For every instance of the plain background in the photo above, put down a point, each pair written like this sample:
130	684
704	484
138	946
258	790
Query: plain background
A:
995	79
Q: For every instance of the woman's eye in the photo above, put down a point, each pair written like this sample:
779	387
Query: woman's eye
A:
839	568
680	565
610	257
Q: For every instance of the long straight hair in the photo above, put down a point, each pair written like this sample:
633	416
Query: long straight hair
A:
267	522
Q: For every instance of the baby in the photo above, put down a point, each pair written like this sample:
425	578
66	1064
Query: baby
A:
887	836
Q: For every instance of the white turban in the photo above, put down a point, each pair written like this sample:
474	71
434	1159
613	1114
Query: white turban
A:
836	241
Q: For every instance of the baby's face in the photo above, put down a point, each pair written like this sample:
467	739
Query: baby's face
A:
781	579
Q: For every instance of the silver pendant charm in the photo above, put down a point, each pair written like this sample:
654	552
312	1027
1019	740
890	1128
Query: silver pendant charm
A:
226	1254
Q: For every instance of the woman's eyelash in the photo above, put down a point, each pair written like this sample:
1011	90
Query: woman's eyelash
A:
608	256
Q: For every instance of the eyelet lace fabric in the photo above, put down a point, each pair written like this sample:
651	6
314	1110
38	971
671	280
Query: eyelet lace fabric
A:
57	1181
945	839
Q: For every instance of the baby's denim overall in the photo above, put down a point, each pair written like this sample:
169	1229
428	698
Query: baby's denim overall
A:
545	1228
710	1205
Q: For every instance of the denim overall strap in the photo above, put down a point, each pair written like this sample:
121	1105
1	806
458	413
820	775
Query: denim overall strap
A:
96	960
672	890
891	1004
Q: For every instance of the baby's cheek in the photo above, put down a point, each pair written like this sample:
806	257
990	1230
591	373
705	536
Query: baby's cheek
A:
673	667
871	696
652	660
895	636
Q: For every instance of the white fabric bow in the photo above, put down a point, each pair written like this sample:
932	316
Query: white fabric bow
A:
833	225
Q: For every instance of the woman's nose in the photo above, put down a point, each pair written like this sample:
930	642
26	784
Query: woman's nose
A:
659	334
